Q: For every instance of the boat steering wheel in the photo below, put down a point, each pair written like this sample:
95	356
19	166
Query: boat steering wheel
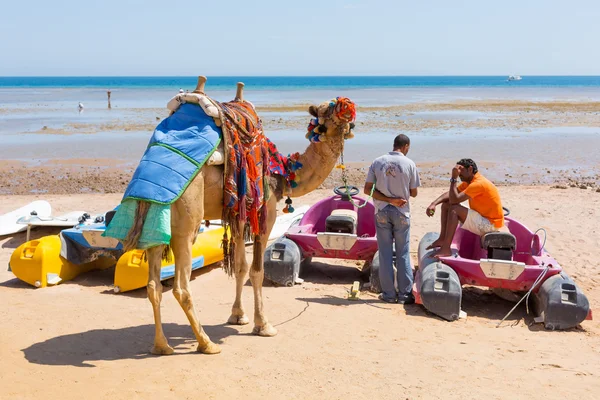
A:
351	191
506	211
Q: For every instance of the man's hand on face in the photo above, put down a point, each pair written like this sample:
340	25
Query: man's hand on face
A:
456	171
398	202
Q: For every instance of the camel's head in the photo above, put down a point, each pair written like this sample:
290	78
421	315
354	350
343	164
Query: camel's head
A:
333	118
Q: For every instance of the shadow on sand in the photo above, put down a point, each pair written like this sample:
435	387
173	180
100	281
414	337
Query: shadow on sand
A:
330	274
17	239
80	349
476	302
104	279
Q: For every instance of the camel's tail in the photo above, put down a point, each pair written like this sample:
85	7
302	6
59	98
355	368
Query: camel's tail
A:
134	234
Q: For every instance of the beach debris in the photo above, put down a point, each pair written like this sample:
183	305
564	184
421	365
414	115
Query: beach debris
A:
582	187
354	293
559	187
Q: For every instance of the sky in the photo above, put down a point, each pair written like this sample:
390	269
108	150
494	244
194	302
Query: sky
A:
324	37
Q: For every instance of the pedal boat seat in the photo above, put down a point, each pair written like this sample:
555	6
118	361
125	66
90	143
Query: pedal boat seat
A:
499	245
342	221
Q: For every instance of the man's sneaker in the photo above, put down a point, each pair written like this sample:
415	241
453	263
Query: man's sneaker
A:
410	299
382	298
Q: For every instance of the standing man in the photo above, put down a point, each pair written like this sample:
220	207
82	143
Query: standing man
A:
108	94
395	178
484	214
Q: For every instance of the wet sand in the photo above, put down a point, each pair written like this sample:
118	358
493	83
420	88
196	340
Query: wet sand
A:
516	141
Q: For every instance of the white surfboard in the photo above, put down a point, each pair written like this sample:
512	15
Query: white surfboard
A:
68	220
8	221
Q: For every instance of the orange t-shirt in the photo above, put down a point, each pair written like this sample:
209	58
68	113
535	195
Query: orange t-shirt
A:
484	198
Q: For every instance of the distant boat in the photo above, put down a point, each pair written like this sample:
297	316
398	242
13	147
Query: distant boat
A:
514	78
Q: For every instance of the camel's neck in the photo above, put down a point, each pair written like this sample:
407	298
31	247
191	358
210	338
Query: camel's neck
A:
317	162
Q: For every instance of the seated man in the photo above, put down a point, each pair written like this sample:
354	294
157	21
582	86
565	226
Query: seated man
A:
484	214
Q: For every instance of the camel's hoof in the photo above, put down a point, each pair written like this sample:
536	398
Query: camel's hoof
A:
266	330
162	350
238	320
210	348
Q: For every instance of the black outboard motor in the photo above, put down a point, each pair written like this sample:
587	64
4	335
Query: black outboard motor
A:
560	303
282	262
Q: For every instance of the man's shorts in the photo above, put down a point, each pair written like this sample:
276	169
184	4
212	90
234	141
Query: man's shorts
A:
477	224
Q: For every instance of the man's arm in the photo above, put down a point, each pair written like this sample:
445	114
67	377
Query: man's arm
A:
377	195
415	181
447	198
444	198
456	197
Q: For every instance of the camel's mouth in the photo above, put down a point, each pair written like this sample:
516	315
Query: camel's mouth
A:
347	117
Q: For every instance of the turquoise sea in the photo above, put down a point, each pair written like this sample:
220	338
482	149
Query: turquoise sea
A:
301	82
38	93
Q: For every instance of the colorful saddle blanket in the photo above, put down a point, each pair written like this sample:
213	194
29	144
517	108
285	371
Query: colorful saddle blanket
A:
247	167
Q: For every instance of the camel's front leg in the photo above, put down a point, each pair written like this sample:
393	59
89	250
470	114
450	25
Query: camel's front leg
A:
161	346
238	316
182	250
262	327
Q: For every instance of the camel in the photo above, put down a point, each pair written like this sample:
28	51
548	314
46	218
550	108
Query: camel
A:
203	200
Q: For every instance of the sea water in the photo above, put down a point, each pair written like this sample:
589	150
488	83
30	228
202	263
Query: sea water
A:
27	104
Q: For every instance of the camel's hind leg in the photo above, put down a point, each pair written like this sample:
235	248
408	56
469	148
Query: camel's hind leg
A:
238	316
182	250
262	327
186	216
154	254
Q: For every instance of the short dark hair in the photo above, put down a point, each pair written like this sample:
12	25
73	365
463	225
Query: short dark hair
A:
467	162
400	141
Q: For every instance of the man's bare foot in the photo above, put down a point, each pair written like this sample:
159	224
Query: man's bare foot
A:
434	245
443	252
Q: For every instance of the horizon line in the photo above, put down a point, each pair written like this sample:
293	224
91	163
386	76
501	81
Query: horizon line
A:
287	76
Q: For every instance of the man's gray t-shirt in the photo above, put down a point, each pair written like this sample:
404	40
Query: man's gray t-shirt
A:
394	175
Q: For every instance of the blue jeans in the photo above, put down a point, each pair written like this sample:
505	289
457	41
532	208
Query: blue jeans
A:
393	226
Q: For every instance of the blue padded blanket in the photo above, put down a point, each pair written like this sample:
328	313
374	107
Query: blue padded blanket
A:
179	147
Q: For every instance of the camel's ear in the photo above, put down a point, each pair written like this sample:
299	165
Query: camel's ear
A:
314	111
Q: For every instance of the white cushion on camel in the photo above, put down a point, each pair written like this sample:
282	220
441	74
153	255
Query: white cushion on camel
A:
218	156
209	108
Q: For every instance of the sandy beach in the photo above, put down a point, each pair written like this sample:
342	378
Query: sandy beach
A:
79	339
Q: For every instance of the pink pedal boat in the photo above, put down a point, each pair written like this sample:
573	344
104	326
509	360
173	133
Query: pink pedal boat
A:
332	228
514	261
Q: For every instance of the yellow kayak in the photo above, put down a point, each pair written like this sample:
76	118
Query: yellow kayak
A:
131	271
38	262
